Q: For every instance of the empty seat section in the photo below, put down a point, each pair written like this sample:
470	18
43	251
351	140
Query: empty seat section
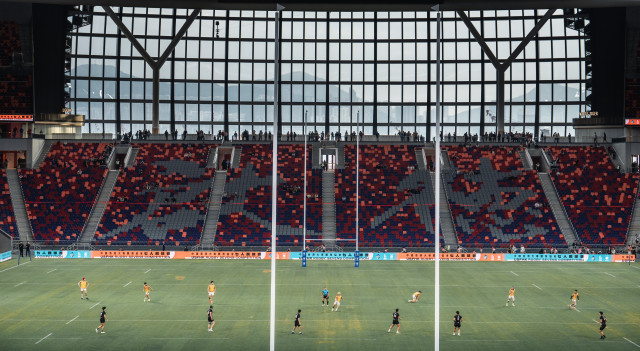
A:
161	199
598	199
495	202
16	94
396	199
9	41
60	194
245	214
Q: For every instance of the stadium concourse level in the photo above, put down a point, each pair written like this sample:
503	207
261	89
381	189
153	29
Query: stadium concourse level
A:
7	219
396	198
59	194
495	202
245	214
598	198
161	199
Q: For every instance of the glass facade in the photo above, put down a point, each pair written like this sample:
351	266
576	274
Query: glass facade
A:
336	68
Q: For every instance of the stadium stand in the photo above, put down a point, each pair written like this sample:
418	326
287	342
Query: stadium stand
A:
161	199
9	41
495	202
60	194
245	214
396	198
16	95
7	219
597	197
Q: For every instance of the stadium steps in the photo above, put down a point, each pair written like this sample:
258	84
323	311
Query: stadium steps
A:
211	159
99	207
19	208
340	162
131	157
526	159
557	208
237	152
420	159
445	161
329	208
446	220
633	234
213	211
43	153
315	155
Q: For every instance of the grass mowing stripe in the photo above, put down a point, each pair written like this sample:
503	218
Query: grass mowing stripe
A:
632	342
37	342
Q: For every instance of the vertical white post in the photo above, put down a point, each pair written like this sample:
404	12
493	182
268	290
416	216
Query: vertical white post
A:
304	203
437	197
357	177
274	181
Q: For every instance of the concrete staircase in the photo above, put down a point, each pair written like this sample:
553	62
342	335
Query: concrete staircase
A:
634	226
566	228
446	220
329	209
19	207
445	161
213	211
526	159
420	159
235	162
43	153
99	207
131	157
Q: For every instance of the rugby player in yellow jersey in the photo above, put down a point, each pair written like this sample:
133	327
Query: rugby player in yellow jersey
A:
574	299
211	289
146	289
416	296
512	296
336	302
83	284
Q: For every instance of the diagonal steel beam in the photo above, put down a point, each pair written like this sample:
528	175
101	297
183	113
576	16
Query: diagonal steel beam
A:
127	33
479	39
178	37
534	31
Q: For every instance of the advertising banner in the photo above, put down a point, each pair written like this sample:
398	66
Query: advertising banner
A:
381	256
132	254
624	258
544	257
5	256
490	257
598	258
76	254
279	255
48	254
328	255
218	255
432	256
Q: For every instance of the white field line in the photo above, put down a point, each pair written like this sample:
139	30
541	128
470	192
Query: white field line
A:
632	342
37	342
514	273
97	303
19	284
147	271
609	274
188	338
539	288
577	310
124	286
74	318
55	269
6	269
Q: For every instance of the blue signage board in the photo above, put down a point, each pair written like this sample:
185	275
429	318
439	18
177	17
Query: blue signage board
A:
544	257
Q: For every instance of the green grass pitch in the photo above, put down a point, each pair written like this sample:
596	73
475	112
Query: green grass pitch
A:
41	309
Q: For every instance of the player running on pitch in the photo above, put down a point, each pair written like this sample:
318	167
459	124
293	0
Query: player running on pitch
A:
212	291
336	303
396	321
512	296
210	319
325	296
83	284
146	289
574	299
603	324
416	296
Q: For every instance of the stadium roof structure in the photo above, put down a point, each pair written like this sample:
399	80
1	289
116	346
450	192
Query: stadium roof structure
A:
354	5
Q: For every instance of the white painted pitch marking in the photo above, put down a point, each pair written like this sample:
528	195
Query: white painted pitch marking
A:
188	338
55	269
37	342
6	269
76	317
609	274
594	320
124	286
514	273
19	284
577	310
97	303
631	342
539	288
147	271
